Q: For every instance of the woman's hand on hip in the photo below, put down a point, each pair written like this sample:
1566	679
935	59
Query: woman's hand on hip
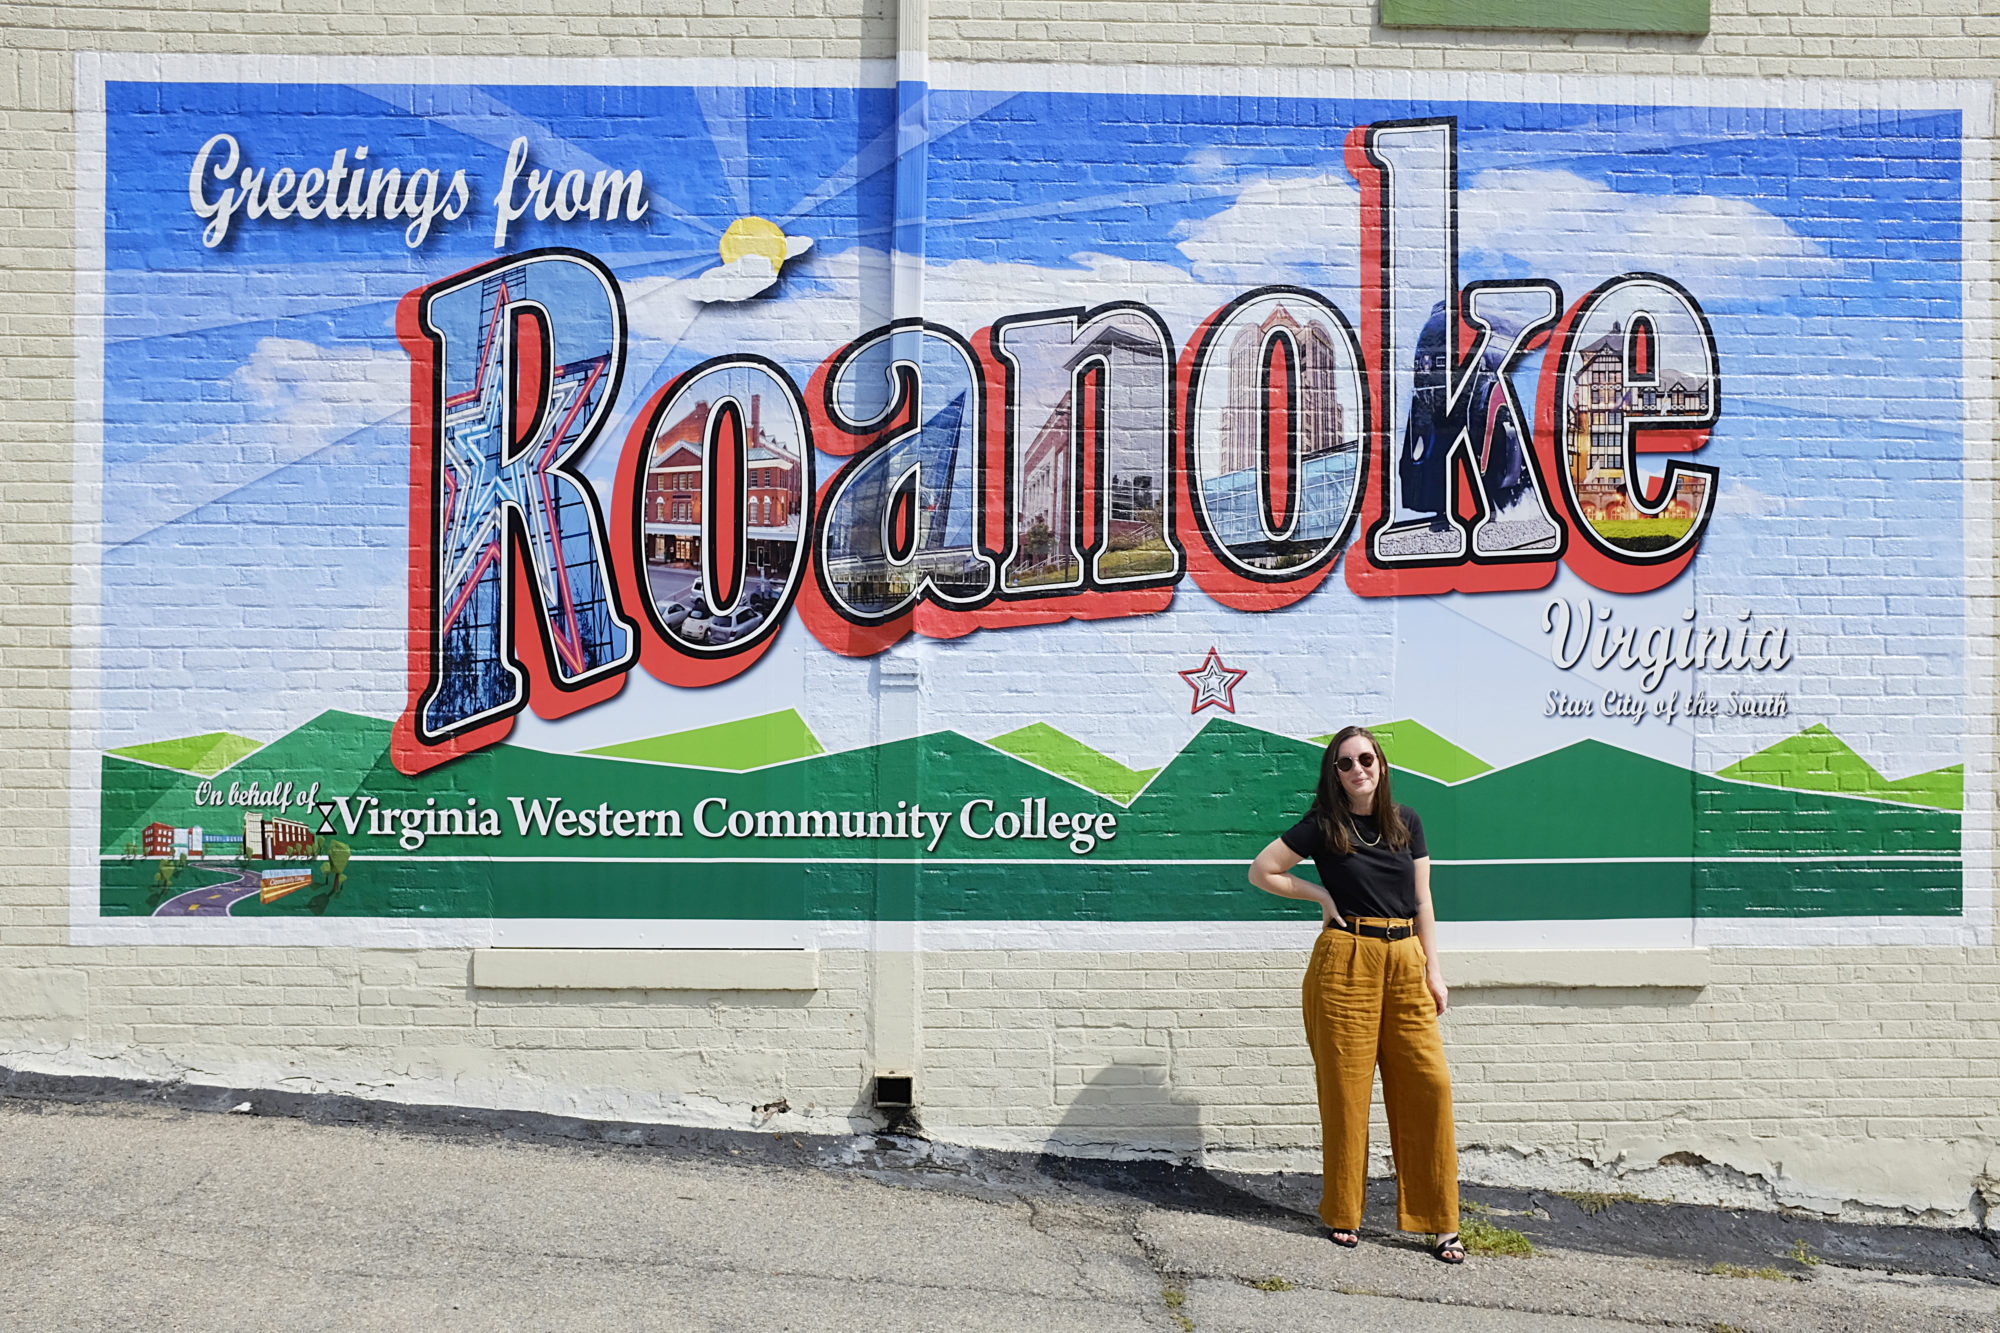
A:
1329	915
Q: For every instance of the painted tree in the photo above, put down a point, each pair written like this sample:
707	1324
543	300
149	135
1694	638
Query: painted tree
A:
337	854
1039	543
163	880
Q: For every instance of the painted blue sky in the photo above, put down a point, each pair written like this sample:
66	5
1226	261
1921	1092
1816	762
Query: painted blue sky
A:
256	398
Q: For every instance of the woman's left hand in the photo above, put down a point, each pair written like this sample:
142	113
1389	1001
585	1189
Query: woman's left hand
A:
1440	993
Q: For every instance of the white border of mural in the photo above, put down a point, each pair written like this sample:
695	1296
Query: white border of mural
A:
1972	100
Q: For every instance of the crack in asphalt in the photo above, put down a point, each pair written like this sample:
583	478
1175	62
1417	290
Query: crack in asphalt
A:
1038	1222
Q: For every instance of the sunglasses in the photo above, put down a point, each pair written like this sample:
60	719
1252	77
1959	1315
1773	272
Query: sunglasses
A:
1347	762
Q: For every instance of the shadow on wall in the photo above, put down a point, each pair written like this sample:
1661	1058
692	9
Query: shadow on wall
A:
1129	1108
1127	1132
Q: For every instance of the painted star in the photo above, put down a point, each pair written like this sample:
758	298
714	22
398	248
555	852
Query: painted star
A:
473	522
1214	684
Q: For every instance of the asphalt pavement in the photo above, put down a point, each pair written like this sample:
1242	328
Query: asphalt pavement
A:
150	1206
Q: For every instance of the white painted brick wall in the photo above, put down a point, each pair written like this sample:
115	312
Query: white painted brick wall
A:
1805	1076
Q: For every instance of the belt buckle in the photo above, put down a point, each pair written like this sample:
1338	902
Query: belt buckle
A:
1395	933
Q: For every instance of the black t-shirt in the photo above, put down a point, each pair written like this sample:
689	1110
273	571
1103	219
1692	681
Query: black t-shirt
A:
1373	881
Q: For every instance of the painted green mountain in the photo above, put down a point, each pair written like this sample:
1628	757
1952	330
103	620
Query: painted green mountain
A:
1066	757
1818	760
337	750
1418	749
207	754
1587	832
754	742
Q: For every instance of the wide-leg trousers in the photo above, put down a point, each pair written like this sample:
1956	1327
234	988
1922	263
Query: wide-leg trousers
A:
1366	1004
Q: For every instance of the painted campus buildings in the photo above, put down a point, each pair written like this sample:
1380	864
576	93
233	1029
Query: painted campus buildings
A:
1108	419
680	480
1295	362
262	836
1622	379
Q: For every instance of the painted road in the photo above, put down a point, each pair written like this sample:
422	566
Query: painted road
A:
211	900
669	584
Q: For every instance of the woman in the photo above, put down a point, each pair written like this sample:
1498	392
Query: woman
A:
1373	992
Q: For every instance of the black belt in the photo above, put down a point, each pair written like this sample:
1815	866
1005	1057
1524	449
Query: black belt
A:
1391	933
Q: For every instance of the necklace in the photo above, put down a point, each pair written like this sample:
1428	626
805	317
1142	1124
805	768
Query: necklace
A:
1355	829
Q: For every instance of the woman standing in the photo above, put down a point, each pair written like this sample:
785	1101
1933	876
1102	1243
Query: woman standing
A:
1373	992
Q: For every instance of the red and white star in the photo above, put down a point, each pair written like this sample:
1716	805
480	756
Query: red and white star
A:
1214	684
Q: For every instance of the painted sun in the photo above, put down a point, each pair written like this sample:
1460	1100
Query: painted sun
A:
754	236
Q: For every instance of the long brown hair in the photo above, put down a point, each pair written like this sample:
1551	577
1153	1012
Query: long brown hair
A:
1330	803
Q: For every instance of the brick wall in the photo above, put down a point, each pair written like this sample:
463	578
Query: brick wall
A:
1857	1078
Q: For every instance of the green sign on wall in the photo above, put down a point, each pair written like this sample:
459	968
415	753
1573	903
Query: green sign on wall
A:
1679	17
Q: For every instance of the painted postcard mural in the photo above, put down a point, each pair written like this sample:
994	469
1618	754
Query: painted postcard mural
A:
703	513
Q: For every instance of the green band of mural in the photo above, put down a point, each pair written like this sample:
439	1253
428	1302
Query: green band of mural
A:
920	829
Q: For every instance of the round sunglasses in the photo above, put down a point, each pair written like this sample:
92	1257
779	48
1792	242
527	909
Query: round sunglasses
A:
1347	762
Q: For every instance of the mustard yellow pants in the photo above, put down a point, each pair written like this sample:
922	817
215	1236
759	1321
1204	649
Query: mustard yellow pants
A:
1366	1004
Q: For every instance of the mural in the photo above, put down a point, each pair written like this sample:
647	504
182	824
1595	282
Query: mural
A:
524	509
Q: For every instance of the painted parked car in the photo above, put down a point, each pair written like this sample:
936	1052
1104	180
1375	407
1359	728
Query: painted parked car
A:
752	590
725	628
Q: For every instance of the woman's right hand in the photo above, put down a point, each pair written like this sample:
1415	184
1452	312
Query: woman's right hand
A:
1272	872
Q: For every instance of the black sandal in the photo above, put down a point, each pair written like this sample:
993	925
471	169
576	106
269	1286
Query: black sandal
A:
1345	1238
1448	1249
